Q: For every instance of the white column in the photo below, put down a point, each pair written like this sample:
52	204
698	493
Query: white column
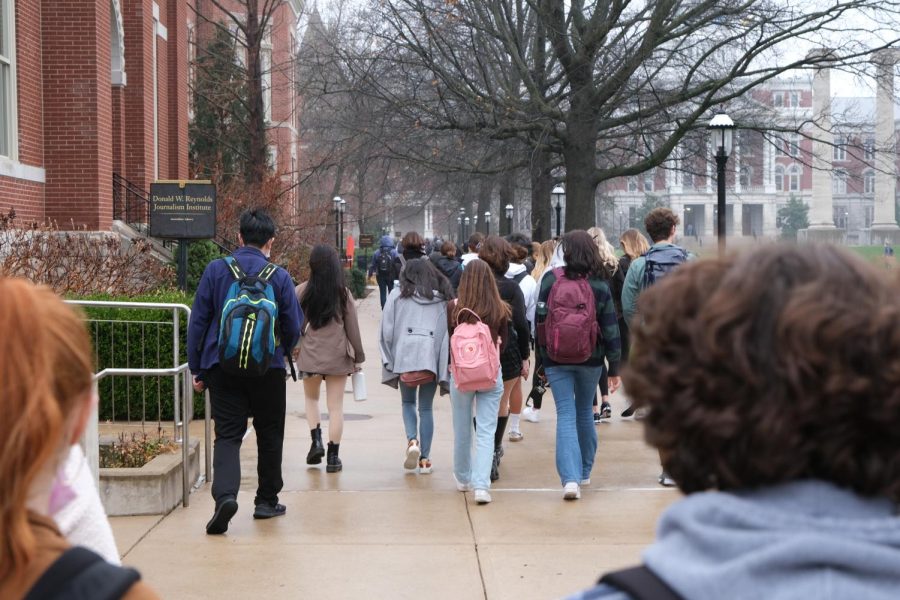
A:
737	165
820	212
769	167
885	141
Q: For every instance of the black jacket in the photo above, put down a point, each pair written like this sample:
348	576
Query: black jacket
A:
450	268
512	294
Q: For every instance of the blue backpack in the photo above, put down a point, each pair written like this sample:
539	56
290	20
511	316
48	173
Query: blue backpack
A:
659	262
248	330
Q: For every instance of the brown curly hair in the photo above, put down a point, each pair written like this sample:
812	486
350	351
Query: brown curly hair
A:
772	366
659	223
496	252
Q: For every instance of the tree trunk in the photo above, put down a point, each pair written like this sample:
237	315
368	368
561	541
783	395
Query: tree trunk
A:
256	118
485	190
579	151
541	186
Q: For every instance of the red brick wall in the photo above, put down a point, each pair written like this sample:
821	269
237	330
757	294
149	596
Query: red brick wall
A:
28	67
77	112
162	83
138	20
26	197
177	15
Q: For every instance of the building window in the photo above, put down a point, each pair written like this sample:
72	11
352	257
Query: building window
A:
841	216
632	184
870	216
869	182
191	58
794	178
793	144
648	181
794	99
840	148
779	178
265	66
746	176
869	149
8	117
273	158
778	99
839	182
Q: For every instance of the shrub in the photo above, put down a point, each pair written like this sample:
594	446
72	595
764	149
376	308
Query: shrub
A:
200	254
356	281
138	338
135	452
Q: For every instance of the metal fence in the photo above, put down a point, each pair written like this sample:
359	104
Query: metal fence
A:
151	379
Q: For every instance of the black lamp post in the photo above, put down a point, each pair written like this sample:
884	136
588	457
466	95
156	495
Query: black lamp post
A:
558	194
721	130
342	211
459	219
466	228
487	222
337	227
509	212
459	229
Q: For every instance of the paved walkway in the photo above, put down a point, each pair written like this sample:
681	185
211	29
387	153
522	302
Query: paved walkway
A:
376	531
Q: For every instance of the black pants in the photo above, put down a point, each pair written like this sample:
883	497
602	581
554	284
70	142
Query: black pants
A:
234	400
385	286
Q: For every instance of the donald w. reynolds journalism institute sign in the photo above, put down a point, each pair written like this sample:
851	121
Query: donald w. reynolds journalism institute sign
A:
183	209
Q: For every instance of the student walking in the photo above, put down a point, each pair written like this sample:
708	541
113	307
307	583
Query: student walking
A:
412	246
383	267
476	322
577	331
414	352
633	244
329	351
249	282
615	279
518	272
447	263
532	412
514	360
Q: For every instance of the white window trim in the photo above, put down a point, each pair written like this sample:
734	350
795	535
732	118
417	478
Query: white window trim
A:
17	170
266	54
12	113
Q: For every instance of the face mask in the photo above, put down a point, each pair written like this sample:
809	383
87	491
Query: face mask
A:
61	493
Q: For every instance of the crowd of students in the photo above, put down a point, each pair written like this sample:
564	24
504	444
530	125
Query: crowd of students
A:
770	383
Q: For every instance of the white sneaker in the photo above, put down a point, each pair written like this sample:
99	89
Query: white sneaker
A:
531	415
516	436
462	487
412	455
482	497
665	480
586	481
571	491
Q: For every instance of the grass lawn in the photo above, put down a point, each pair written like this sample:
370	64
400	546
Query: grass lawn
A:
874	254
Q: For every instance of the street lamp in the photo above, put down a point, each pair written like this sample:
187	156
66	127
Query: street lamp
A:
459	219
509	212
343	210
721	129
558	194
459	228
487	222
337	213
466	228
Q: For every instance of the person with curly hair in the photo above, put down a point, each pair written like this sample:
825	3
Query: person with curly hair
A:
772	381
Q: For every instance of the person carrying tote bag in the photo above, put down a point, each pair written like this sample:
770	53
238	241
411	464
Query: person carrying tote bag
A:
329	350
414	345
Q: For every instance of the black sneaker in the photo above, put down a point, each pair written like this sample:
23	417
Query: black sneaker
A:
267	511
596	418
219	522
628	411
605	410
495	467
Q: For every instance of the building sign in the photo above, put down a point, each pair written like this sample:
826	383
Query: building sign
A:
366	240
183	210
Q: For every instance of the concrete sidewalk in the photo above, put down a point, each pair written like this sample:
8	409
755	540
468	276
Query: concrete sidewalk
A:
376	531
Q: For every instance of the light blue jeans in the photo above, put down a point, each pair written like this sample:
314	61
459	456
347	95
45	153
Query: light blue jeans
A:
421	429
576	436
483	405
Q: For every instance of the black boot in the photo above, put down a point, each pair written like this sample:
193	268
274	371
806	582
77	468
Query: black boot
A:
334	463
316	450
499	433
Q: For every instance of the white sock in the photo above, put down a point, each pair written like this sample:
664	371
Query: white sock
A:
513	422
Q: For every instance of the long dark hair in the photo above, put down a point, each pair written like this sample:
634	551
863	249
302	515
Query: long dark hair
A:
581	255
422	278
325	295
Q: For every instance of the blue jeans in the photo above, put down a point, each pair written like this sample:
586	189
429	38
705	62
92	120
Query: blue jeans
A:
576	437
484	404
421	429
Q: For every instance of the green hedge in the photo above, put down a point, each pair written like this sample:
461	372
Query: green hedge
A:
138	338
356	281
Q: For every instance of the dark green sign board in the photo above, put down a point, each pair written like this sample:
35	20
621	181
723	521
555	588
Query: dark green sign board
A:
183	210
366	240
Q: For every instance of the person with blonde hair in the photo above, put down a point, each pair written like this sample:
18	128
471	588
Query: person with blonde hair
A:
615	278
46	398
532	412
634	245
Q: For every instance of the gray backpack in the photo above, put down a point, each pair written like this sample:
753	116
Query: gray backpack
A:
659	262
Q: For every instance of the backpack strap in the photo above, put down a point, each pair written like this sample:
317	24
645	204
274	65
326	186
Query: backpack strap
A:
466	309
234	268
80	573
266	273
640	583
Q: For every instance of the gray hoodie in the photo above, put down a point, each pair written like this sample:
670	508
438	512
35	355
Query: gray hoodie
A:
413	337
800	540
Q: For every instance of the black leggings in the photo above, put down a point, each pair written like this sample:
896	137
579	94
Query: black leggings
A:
626	348
536	395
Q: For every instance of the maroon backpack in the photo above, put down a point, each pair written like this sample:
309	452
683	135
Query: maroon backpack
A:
570	330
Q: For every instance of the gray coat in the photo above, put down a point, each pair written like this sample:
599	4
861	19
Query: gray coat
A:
414	337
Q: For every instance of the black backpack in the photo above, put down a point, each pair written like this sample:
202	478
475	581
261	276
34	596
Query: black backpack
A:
385	262
660	261
640	583
80	574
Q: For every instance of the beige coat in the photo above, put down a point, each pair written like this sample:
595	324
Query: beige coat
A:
333	349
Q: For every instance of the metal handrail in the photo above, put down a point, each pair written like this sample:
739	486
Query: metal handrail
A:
183	411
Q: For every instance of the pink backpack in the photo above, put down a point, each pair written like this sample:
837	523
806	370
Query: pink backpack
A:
570	331
476	358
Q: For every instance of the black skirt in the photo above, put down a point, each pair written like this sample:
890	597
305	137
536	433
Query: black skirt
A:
511	362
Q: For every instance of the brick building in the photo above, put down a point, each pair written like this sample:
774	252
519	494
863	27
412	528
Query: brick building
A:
91	91
94	103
